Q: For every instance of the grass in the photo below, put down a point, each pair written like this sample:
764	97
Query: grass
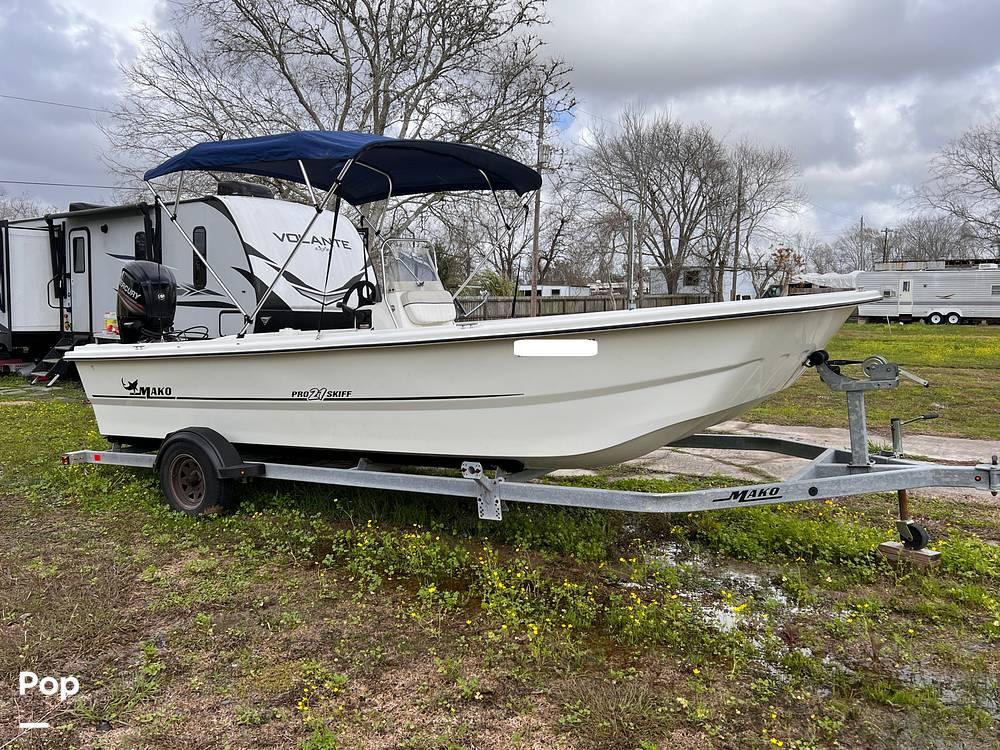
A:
960	362
325	618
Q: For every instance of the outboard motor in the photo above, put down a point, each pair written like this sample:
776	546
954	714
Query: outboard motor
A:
147	299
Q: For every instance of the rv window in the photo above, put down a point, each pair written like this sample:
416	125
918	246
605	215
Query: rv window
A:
79	255
200	271
140	245
906	286
995	290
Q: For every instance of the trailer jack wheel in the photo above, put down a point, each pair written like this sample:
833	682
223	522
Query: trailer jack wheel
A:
914	536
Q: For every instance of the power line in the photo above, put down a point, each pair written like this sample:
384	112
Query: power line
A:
55	104
64	184
598	117
828	211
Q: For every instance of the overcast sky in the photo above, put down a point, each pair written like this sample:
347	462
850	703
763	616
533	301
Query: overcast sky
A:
862	91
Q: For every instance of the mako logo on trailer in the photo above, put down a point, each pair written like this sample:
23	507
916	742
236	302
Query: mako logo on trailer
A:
751	496
146	391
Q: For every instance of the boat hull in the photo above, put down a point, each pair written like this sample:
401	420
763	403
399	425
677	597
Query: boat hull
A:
467	396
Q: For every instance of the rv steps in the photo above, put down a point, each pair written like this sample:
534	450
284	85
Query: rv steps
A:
52	366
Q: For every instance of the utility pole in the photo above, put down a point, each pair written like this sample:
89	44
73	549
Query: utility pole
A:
739	220
639	273
861	243
631	263
885	246
538	209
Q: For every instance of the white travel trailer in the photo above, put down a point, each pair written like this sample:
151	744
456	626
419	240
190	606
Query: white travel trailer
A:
935	292
59	273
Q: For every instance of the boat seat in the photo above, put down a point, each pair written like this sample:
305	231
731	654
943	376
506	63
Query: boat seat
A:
428	307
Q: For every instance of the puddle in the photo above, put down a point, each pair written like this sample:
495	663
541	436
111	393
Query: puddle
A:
669	553
983	693
704	581
721	616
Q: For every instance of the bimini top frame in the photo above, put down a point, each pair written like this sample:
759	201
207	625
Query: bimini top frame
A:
323	159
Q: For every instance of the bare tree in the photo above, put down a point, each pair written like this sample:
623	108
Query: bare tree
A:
965	181
559	231
21	207
857	250
757	184
470	72
717	248
817	256
661	173
934	237
775	266
769	186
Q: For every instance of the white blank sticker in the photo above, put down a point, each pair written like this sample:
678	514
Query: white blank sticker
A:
555	347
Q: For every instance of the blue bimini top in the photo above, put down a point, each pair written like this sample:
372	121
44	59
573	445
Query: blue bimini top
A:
382	166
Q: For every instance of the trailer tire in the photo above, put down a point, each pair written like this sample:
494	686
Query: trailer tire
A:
935	319
954	319
190	482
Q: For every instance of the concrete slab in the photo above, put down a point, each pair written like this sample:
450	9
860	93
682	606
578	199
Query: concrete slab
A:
961	450
752	466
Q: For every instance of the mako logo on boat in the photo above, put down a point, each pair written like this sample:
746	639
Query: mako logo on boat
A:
322	242
751	496
146	391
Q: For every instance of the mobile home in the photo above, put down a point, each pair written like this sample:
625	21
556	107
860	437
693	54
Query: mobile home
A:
59	273
934	292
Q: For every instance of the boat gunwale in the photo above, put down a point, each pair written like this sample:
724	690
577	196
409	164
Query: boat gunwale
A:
138	351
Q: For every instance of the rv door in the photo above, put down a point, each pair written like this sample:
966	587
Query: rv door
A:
6	336
80	295
905	304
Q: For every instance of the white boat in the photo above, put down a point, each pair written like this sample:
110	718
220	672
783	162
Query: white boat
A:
410	383
642	379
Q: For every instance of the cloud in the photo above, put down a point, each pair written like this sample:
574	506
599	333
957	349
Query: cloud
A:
58	54
863	93
651	47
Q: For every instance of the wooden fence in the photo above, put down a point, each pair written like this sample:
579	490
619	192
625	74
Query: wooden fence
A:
501	307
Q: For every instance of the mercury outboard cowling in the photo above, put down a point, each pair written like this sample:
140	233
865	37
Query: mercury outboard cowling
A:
147	299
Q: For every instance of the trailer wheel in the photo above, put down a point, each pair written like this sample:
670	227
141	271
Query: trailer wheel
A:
189	480
954	319
935	319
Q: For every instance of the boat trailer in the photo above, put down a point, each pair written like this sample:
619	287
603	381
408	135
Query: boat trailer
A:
831	472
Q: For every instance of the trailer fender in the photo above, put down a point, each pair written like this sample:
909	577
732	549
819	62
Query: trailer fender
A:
226	460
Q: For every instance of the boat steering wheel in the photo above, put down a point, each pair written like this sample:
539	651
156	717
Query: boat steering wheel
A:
367	295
